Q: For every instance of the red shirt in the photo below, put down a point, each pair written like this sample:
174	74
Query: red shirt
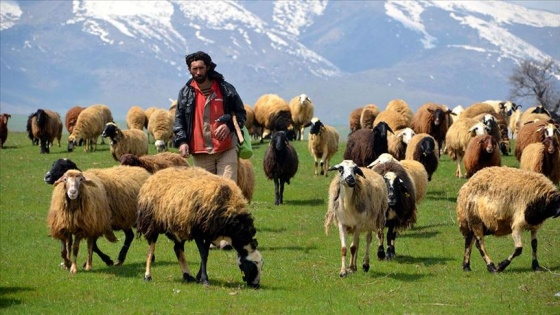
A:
206	111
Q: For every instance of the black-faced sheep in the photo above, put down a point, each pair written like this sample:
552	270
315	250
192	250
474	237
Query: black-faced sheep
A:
72	117
133	141
401	193
432	119
354	119
357	203
507	110
534	133
89	127
484	207
323	144
136	118
458	137
423	148
190	203
368	115
365	145
46	126
154	163
272	113
543	158
302	110
482	151
4	129
79	208
280	163
160	126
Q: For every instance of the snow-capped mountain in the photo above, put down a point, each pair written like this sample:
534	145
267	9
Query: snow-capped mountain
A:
343	54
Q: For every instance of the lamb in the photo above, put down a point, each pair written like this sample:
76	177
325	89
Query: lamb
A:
482	151
89	127
354	119
397	143
458	137
136	118
368	115
133	141
122	184
4	129
160	126
79	208
365	145
534	133
72	117
401	213
357	203
484	207
432	119
154	163
190	203
302	109
543	158
273	113
423	148
280	163
46	126
323	144
246	178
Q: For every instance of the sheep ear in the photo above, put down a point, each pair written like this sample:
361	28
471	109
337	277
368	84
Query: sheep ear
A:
358	171
60	180
335	168
389	128
308	124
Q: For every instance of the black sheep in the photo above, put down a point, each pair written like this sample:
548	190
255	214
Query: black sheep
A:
366	145
280	163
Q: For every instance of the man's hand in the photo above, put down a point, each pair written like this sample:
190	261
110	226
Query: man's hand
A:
222	132
184	150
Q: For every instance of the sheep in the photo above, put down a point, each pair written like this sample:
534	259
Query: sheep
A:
105	113
401	107
354	119
398	142
160	126
29	128
401	196
507	110
89	127
322	144
368	115
365	145
136	118
458	137
4	129
484	207
79	207
539	109
497	128
476	109
482	151
46	126
534	132
132	141
397	115
273	113
72	117
154	163
432	119
357	203
543	158
513	126
246	178
148	112
423	148
280	163
456	113
190	203
122	184
249	123
302	109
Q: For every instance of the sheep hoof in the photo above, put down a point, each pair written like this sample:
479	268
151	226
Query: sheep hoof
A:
147	278
502	265
188	278
381	254
118	263
365	267
343	274
491	267
535	266
466	267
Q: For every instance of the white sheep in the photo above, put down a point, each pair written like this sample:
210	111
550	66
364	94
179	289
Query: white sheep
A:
160	126
458	137
323	144
133	141
357	203
398	142
302	109
484	207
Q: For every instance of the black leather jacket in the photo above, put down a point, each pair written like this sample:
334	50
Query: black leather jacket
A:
184	114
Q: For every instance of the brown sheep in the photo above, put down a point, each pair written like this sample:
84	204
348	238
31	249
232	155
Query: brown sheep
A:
4	129
46	126
432	119
89	127
322	144
534	133
398	142
368	115
365	145
482	151
458	137
543	158
354	119
154	163
423	148
72	117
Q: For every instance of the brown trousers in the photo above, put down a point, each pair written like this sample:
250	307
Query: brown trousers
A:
223	163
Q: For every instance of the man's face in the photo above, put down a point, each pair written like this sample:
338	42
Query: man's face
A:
198	71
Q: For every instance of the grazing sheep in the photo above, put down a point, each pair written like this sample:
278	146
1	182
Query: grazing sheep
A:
89	127
122	184
534	133
398	142
79	208
154	163
280	163
357	203
72	117
401	194
368	115
246	178
4	129
543	158
148	112
160	126
482	151
46	126
458	137
133	141
323	144
272	113
192	204
484	207
302	109
136	118
354	119
365	145
423	148
432	119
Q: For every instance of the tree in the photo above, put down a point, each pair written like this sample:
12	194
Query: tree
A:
537	81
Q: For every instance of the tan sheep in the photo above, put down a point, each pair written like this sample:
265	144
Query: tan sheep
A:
302	109
395	120
272	113
542	158
190	203
89	127
154	163
322	144
486	207
534	133
368	115
401	107
71	117
477	109
160	126
136	118
354	119
398	142
482	151
133	141
458	137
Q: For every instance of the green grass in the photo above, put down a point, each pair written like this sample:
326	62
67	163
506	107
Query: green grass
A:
301	262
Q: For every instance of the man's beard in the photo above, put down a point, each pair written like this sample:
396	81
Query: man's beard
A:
200	78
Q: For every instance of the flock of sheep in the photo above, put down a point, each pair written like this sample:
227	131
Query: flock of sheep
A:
390	156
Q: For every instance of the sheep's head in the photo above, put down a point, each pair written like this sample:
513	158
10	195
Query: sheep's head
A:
316	125
438	116
130	160
112	131
58	168
381	129
279	141
304	99
550	145
160	146
72	180
549	129
427	146
395	188
348	170
251	264
479	129
383	158
508	107
72	142
488	144
5	118
406	134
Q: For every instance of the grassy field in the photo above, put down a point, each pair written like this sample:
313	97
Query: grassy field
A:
301	263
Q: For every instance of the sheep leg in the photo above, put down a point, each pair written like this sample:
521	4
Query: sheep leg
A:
343	235
391	235
365	265
316	165
65	246
482	249
276	191
458	170
149	259
469	240
516	235
106	259
203	250
128	237
354	250
380	249
535	263
323	164
282	182
179	249
75	249
89	259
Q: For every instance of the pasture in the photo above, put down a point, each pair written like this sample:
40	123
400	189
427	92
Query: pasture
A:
301	263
